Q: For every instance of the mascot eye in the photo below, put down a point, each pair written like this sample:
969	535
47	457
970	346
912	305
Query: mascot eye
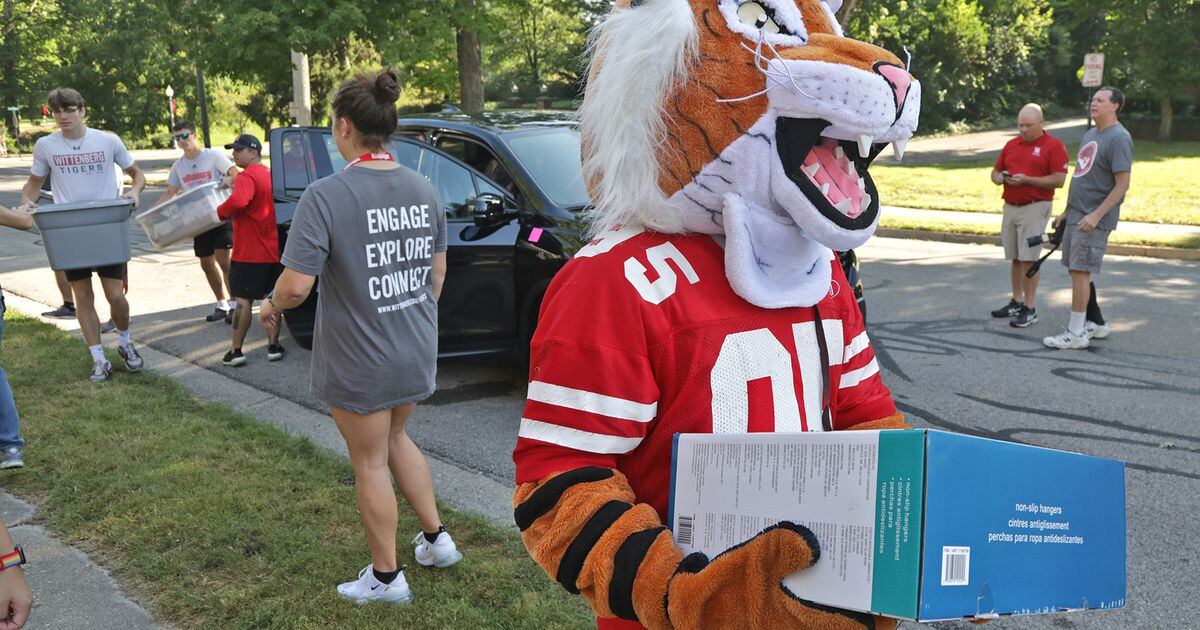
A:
757	16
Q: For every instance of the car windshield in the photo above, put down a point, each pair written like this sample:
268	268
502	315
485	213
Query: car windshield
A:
552	159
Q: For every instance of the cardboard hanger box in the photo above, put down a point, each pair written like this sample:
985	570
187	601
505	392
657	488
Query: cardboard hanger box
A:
921	525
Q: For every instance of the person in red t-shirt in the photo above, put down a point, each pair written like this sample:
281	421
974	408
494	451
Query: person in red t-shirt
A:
254	264
1030	167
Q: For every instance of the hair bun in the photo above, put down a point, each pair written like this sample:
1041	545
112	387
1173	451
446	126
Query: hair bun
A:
387	85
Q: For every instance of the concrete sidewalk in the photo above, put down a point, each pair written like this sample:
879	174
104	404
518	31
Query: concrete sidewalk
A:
69	590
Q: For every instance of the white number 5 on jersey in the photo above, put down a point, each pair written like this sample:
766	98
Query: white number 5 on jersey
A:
663	288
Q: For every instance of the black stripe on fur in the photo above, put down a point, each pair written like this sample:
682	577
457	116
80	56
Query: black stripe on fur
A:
577	552
625	569
546	497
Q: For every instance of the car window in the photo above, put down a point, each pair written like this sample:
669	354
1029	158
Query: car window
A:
552	159
484	186
335	157
453	146
407	154
294	162
453	183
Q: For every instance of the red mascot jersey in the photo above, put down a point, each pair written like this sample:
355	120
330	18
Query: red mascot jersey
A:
641	337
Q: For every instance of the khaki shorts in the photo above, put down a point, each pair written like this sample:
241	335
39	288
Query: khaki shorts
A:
1083	251
1020	223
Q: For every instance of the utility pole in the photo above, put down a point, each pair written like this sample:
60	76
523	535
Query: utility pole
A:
301	91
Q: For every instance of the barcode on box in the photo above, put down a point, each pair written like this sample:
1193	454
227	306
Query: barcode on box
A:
683	530
956	566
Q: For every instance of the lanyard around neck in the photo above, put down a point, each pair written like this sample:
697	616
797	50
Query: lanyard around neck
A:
383	156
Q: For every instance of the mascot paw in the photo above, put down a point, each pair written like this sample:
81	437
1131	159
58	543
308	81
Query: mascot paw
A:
743	587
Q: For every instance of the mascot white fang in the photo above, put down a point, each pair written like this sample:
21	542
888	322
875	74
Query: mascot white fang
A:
726	149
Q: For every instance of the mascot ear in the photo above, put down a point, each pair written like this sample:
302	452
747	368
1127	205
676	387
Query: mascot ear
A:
834	5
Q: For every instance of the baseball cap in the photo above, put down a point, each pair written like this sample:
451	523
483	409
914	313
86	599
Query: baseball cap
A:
245	141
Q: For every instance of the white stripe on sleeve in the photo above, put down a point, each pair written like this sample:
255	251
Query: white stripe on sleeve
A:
576	439
852	378
590	402
856	345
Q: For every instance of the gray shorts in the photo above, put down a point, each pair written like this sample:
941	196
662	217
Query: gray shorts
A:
1083	251
1020	223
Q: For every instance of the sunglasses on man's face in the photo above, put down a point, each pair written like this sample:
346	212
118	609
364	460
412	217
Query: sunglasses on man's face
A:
182	136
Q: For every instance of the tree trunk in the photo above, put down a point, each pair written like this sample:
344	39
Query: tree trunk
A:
1168	113
847	9
470	71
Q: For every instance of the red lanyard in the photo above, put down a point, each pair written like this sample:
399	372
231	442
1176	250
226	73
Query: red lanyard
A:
371	157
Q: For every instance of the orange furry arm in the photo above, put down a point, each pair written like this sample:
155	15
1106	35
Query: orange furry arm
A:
894	421
585	530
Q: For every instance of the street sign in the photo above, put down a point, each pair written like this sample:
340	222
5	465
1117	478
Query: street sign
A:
13	109
1093	70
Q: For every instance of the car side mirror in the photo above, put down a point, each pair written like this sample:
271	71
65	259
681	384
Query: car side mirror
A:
490	211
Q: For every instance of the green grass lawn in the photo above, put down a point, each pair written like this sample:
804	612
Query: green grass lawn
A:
215	520
1163	188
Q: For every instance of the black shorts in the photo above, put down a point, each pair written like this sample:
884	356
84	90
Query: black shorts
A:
112	272
252	281
220	237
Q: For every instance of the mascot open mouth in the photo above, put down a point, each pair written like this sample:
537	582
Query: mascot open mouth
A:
832	174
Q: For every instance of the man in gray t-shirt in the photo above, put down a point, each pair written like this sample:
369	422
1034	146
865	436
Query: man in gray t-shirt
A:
377	239
1098	187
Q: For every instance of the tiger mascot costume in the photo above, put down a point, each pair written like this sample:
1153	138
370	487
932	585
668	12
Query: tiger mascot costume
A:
725	146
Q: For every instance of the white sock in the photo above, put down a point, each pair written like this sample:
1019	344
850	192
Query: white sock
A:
123	338
97	352
1076	325
224	305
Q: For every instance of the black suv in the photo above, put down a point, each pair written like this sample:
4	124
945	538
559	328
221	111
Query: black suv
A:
512	191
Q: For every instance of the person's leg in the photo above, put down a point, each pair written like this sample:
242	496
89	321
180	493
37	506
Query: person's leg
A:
1093	307
1018	286
1080	280
10	422
212	273
241	322
221	257
367	440
64	287
85	311
1029	285
118	306
411	471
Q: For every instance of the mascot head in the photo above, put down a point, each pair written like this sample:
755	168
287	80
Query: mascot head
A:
752	119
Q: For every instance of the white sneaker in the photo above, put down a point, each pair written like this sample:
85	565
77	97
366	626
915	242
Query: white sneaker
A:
1096	331
441	553
368	589
101	370
1067	341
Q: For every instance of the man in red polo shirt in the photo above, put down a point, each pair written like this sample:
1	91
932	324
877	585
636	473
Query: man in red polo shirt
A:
1030	167
254	264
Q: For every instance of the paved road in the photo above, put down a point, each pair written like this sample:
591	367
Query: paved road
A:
1131	397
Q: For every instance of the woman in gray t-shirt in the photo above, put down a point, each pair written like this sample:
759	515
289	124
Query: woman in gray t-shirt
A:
376	235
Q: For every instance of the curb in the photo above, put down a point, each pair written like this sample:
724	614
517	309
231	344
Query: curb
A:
1147	251
458	488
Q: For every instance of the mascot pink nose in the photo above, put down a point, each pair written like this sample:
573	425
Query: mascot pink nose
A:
898	78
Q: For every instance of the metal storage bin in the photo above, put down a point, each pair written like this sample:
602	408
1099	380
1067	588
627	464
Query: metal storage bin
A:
85	234
186	216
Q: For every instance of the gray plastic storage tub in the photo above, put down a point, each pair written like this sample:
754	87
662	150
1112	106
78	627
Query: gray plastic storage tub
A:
85	234
186	216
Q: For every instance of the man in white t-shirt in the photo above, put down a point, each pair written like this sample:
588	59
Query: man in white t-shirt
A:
197	167
82	165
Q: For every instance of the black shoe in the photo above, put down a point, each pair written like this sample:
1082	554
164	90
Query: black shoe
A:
275	352
234	358
217	315
1027	318
108	327
66	311
1012	309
